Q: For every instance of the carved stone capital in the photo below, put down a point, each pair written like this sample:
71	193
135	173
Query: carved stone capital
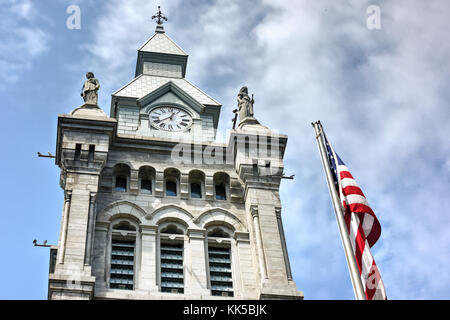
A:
93	197
278	213
149	230
196	233
254	210
67	195
241	237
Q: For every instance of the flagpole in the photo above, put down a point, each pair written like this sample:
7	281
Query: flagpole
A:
355	276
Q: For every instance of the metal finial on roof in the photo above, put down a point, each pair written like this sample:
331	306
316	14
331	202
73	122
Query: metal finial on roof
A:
159	16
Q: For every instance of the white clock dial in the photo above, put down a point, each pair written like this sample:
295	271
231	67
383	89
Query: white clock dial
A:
170	119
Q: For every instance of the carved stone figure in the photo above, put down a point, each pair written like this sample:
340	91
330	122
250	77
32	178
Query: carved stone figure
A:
90	88
245	104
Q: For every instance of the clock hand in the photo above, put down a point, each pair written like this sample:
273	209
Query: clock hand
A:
164	118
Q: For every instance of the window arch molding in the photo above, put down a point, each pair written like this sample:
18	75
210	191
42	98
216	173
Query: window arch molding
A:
117	209
171	211
220	216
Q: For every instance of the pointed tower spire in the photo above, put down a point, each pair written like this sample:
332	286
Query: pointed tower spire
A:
159	22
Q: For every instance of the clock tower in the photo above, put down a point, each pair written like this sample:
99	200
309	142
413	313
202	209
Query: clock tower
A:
154	208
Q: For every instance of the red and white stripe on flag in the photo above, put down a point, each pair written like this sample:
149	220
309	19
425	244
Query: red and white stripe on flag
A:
364	230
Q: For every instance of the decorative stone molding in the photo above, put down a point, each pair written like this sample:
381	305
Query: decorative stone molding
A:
196	233
254	210
173	211
220	215
122	207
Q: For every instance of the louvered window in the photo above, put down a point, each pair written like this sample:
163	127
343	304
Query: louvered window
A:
122	264
220	271
172	276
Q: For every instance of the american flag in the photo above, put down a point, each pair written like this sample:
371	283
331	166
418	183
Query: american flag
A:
362	224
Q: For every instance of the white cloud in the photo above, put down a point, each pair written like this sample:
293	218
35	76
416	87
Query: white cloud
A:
22	40
381	95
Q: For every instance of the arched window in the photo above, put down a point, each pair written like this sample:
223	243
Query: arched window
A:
196	184
121	173
146	178
221	185
219	261
171	258
122	259
171	178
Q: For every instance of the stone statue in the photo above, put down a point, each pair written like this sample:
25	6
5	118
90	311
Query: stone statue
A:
90	88
245	104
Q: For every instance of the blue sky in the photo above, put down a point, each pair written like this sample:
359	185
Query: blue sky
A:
382	96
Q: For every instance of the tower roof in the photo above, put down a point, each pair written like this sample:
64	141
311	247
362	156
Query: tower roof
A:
146	84
163	51
161	43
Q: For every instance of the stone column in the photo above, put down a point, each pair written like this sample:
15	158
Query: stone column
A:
197	264
90	231
283	244
100	251
159	184
259	243
243	264
134	182
209	188
184	186
147	280
65	222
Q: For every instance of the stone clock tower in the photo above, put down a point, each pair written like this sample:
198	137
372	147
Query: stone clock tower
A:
153	207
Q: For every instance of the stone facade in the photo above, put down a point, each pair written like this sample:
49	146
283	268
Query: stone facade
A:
118	173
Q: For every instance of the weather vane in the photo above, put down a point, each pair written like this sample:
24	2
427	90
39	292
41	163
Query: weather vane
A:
159	16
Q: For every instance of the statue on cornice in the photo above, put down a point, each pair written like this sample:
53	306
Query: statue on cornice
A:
245	104
90	88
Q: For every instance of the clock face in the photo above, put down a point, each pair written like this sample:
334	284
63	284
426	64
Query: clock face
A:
170	119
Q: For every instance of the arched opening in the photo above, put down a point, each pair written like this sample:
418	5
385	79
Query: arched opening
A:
123	255
171	253
171	182
219	261
196	184
146	179
221	186
121	173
